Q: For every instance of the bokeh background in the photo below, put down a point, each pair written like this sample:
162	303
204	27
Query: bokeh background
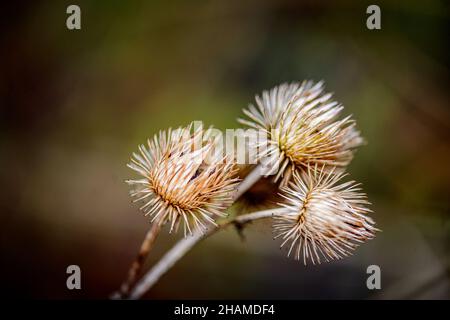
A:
75	104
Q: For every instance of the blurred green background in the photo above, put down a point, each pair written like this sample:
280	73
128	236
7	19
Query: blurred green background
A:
75	104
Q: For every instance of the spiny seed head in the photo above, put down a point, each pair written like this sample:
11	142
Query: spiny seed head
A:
301	128
184	178
323	219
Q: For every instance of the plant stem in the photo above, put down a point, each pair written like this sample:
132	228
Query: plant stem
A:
186	244
248	181
150	238
137	264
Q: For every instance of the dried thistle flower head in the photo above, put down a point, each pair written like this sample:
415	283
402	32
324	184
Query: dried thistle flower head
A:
184	178
301	128
323	219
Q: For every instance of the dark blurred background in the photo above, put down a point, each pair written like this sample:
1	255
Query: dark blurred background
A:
75	104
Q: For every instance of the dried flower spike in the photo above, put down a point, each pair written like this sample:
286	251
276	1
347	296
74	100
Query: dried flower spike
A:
301	128
185	178
323	219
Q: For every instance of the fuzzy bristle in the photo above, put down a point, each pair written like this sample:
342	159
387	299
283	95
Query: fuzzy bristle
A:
183	179
324	220
301	128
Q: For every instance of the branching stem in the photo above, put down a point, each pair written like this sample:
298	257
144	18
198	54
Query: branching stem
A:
184	245
181	247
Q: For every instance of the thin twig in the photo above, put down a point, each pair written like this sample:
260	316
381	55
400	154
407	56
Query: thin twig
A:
137	264
186	244
248	181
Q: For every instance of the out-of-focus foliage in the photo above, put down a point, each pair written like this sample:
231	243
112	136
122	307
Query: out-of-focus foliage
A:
75	104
